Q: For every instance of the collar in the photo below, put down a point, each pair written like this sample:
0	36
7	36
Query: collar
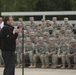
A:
9	26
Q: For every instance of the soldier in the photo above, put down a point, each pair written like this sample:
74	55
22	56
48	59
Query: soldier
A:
54	22
68	36
43	25
58	27
39	32
32	23
28	51
41	48
28	30
63	32
62	51
22	23
33	38
57	37
19	53
51	31
52	52
67	24
48	23
46	37
71	53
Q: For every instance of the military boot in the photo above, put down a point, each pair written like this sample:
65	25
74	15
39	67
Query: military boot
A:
43	66
47	65
31	65
63	67
18	66
34	66
69	67
54	66
74	66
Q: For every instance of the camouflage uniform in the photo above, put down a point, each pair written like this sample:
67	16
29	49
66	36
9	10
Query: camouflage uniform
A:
57	37
39	32
71	53
33	38
67	24
63	32
19	54
32	23
43	25
40	50
62	51
52	50
51	31
54	22
28	51
68	36
46	37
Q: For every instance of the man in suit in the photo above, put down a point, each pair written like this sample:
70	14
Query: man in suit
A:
8	45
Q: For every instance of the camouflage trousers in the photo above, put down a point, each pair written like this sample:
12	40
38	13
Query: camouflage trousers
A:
68	59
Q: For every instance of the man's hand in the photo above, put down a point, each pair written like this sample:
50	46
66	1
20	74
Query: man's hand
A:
49	54
16	31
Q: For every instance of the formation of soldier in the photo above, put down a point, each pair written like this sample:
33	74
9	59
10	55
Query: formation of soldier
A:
48	41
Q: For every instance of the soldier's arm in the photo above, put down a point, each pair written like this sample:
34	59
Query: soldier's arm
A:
58	53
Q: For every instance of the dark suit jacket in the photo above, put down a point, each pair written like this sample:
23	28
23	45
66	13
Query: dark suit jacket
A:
8	39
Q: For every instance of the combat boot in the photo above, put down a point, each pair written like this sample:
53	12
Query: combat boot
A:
47	65
74	66
31	65
69	67
54	66
18	66
34	66
43	66
63	67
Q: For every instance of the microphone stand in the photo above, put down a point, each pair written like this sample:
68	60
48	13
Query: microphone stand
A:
23	65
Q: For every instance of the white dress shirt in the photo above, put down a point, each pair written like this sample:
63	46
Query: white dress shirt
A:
1	25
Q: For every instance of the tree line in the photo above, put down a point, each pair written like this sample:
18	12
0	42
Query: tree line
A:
37	5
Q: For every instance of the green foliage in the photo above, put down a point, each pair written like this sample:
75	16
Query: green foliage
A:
37	5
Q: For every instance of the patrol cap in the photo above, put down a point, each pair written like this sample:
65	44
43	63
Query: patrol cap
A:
62	38
72	40
50	28
57	32
28	39
28	27
51	38
40	38
68	31
46	33
32	33
62	28
20	19
58	24
66	19
48	21
42	19
54	18
31	18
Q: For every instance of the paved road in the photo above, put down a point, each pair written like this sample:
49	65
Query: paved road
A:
38	71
